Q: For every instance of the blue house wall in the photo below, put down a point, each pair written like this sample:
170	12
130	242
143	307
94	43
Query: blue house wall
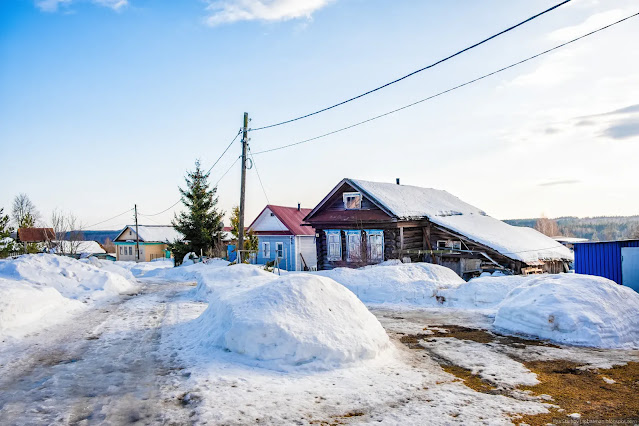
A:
601	259
288	243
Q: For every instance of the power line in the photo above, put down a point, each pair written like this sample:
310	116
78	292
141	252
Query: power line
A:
207	172
448	90
258	176
227	170
90	226
227	148
416	71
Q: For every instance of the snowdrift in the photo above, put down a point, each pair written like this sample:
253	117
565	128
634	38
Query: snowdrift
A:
34	287
412	283
285	322
482	293
576	309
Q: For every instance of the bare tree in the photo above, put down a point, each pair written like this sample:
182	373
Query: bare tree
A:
547	226
23	211
68	232
634	231
109	246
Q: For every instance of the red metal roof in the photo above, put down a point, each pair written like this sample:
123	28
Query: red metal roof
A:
35	235
292	218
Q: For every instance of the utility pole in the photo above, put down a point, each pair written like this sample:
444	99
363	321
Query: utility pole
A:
137	235
240	237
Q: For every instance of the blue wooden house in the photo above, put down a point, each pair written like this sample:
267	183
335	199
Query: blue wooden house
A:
283	239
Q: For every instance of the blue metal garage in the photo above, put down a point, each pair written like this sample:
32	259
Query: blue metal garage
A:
615	260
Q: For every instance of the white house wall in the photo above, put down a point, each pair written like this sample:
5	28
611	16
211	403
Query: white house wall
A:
267	221
306	246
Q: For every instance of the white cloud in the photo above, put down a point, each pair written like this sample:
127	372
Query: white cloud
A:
226	11
54	5
593	22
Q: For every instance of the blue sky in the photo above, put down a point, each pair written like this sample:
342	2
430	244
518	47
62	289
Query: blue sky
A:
107	103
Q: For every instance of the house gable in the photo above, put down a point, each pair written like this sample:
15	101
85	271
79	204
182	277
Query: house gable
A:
268	223
332	210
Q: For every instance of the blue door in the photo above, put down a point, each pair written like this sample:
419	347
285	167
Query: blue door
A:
630	267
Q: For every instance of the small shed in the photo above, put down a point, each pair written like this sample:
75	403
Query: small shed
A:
615	260
36	235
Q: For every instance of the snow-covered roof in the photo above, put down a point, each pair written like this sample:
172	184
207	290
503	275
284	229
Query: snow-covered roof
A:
90	247
570	240
442	208
154	233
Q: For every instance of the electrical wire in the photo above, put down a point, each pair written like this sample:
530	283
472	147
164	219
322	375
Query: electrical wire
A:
227	148
258	176
416	71
448	90
227	170
90	226
207	172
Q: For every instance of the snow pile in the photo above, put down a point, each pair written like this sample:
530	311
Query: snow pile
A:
33	287
110	266
285	322
569	308
185	272
141	269
413	283
484	292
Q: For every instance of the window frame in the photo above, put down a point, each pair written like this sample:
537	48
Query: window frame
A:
279	252
347	195
266	249
353	255
374	233
331	255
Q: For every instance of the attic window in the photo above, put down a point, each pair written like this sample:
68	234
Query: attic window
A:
352	200
448	245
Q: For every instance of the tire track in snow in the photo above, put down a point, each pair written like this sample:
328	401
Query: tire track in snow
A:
101	367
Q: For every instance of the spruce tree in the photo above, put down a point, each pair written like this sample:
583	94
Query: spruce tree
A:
7	244
201	225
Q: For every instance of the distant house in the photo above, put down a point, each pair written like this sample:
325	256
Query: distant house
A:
362	223
154	240
35	235
282	237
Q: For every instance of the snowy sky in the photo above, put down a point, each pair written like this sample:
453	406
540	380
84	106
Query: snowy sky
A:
106	103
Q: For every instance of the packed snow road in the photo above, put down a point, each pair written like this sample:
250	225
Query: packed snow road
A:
101	367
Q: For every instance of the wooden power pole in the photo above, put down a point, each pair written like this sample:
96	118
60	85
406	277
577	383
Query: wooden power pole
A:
240	237
137	235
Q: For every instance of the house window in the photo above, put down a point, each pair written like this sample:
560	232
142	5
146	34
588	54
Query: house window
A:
266	250
353	246
121	250
279	250
130	250
375	245
448	245
352	200
334	245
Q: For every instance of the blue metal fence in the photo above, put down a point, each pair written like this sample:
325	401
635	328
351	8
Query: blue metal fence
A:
602	259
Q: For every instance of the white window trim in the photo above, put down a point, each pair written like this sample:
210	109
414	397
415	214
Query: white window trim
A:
335	256
279	250
346	195
266	250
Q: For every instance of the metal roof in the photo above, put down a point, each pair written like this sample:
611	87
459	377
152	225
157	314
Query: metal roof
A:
291	218
35	235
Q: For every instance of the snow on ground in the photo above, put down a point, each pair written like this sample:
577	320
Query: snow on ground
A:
575	309
283	322
410	283
482	360
143	268
37	290
400	386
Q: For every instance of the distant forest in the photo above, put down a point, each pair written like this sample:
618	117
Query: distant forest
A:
593	228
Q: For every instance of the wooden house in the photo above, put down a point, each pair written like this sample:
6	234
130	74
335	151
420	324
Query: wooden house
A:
362	223
283	239
154	240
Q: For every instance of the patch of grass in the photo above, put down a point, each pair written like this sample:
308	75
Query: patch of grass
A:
464	333
584	391
471	380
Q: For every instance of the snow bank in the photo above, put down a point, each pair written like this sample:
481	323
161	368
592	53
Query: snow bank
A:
413	283
185	272
570	308
110	266
285	322
44	286
143	268
484	293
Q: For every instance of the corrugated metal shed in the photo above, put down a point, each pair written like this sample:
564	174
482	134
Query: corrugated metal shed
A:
602	259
